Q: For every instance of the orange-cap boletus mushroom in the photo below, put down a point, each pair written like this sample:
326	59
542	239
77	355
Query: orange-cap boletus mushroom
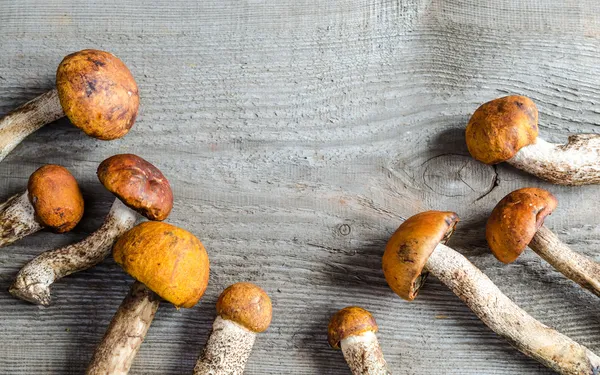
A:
140	187
506	130
418	248
353	330
52	200
94	89
243	310
518	221
168	262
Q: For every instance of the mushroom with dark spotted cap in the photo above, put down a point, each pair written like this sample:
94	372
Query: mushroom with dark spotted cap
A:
52	200
506	129
243	310
140	187
517	221
418	248
353	330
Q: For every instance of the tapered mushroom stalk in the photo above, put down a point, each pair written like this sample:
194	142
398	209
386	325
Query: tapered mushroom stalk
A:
518	220
243	310
94	89
140	187
167	262
506	129
417	248
353	330
52	200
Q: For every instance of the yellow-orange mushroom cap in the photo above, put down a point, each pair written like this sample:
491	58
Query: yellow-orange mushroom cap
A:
349	321
246	304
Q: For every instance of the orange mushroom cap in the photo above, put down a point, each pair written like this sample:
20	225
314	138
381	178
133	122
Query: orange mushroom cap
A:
169	260
98	93
246	304
500	128
349	321
138	183
409	248
55	197
515	220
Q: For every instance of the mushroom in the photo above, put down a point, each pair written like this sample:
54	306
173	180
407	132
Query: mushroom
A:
243	310
418	248
168	262
52	200
353	329
506	129
139	187
518	221
94	89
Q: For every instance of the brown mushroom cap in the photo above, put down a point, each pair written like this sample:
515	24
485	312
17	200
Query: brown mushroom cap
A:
139	184
97	93
349	321
515	219
246	304
169	260
409	248
56	198
500	128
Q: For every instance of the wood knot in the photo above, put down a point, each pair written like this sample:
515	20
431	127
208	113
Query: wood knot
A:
453	175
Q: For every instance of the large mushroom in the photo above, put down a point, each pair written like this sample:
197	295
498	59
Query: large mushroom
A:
140	187
518	221
506	129
52	200
243	310
168	262
94	89
418	248
353	330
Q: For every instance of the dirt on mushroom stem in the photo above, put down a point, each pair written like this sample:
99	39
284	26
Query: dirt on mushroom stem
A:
363	354
17	219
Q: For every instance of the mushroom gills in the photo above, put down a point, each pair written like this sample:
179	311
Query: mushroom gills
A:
17	219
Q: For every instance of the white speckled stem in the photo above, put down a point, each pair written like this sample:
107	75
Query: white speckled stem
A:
227	349
17	219
18	124
363	355
574	163
34	280
126	332
508	320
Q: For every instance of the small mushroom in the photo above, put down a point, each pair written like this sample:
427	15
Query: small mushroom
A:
353	329
418	248
506	129
168	262
139	187
518	221
52	200
94	89
243	310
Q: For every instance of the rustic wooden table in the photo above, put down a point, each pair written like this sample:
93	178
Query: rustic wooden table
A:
297	136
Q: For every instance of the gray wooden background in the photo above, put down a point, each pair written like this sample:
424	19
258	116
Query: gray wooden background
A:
297	135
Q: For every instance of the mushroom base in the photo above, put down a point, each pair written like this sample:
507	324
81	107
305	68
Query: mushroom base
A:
17	219
363	354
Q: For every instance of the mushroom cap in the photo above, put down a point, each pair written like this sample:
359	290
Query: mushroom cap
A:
409	248
500	128
169	260
97	93
349	321
247	305
138	183
515	220
55	197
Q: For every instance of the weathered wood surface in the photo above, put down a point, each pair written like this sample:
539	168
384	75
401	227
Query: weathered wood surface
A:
297	136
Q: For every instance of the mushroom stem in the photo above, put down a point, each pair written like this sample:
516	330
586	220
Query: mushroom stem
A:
504	317
227	350
126	332
34	280
17	219
575	163
28	118
363	354
579	268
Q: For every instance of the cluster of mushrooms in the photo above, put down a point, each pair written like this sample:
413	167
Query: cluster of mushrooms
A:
98	94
